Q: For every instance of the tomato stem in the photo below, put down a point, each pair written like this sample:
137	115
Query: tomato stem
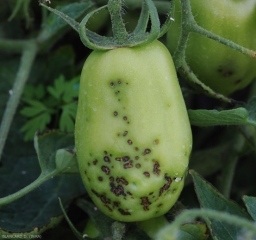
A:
119	31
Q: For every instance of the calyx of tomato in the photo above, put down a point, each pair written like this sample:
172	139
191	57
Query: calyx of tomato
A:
121	38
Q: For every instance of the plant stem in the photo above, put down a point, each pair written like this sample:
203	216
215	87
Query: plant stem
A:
27	59
10	45
40	180
162	6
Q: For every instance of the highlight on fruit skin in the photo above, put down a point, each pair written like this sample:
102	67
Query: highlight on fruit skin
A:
133	136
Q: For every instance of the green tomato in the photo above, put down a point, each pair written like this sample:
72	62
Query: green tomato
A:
132	133
218	66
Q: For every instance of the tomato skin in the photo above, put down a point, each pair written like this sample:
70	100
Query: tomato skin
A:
220	67
133	136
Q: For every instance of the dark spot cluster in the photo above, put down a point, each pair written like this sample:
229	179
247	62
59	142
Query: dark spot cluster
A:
117	190
106	159
165	186
122	180
225	72
147	174
156	169
128	165
105	169
102	197
123	212
146	151
145	203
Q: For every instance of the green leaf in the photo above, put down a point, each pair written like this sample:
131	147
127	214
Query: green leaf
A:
58	88
66	161
38	123
251	107
206	118
33	92
46	146
64	90
210	198
39	209
250	203
67	118
55	24
208	160
34	109
193	231
71	90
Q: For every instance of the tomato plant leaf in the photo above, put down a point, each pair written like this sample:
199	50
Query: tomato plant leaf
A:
210	198
209	160
250	203
35	124
39	209
251	107
46	146
55	24
193	231
206	118
66	160
34	109
67	118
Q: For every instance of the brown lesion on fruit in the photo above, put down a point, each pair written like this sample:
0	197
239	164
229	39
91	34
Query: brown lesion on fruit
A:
225	72
116	204
100	179
95	161
112	84
137	165
156	169
123	212
238	81
147	174
128	165
118	159
102	197
105	169
122	180
129	141
125	133
117	190
125	118
109	208
145	203
146	151
115	113
165	186
156	142
136	149
111	179
125	158
136	157
106	159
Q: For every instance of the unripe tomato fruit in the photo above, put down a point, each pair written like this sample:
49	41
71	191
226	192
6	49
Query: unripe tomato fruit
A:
133	136
219	67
